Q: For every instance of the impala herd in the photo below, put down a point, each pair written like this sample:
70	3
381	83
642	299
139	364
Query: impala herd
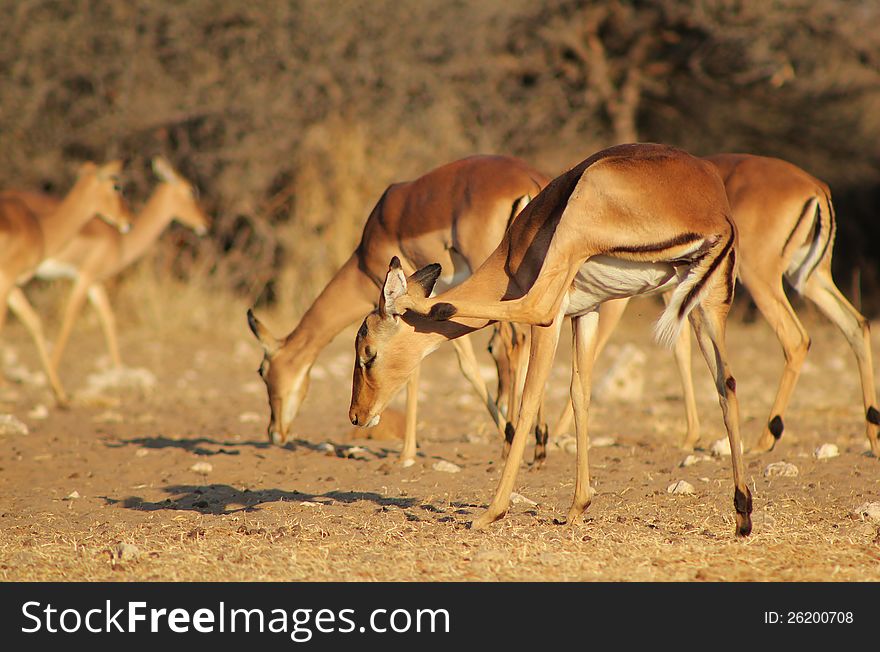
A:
490	241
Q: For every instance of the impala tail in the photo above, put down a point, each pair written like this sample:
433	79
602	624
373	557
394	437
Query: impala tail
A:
706	268
811	252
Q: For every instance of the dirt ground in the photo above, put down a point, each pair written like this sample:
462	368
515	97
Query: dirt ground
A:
313	512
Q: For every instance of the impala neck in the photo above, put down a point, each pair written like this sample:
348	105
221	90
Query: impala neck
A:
348	297
151	221
62	224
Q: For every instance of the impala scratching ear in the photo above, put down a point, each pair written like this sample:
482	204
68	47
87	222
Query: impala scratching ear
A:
270	344
393	290
423	280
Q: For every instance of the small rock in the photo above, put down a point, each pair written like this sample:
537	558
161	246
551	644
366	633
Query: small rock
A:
476	438
141	452
248	417
356	453
602	442
326	447
446	467
680	487
826	451
568	444
39	412
781	469
519	499
10	425
73	495
869	512
126	551
721	447
690	460
202	467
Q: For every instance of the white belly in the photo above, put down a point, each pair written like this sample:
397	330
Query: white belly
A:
606	277
51	269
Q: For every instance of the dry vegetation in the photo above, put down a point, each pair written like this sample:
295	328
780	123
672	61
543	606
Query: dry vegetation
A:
293	116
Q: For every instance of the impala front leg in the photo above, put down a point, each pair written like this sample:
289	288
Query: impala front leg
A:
408	454
543	350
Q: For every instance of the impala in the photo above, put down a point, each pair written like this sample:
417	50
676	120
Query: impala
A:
27	240
99	251
632	219
786	227
455	214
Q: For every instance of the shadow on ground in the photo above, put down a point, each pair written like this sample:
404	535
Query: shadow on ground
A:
224	499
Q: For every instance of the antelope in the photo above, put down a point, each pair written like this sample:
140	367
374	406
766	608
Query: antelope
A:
26	240
786	226
455	214
99	251
630	220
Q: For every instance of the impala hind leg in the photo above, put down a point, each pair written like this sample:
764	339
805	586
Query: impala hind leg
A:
709	325
610	314
467	361
543	350
584	338
408	453
771	301
824	293
685	374
23	310
75	302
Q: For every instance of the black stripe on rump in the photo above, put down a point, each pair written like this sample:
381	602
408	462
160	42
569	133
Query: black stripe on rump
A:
801	219
699	284
678	241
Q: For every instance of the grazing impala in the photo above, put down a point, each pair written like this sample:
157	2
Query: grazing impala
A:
455	214
99	251
26	240
786	227
632	219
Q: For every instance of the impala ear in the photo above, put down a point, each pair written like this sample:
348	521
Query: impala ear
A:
393	290
163	170
111	169
423	280
267	340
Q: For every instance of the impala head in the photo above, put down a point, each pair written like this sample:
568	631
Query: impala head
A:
180	197
388	346
287	382
101	184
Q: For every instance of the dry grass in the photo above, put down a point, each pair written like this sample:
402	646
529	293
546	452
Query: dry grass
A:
264	513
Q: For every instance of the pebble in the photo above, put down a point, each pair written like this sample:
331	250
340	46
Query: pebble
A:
519	499
781	469
602	441
721	447
249	417
141	452
126	551
826	451
326	447
680	487
202	467
39	411
690	460
446	467
10	425
73	495
869	512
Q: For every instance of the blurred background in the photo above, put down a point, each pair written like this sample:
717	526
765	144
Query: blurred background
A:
291	117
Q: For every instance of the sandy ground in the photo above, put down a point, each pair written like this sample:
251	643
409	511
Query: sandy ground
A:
313	512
